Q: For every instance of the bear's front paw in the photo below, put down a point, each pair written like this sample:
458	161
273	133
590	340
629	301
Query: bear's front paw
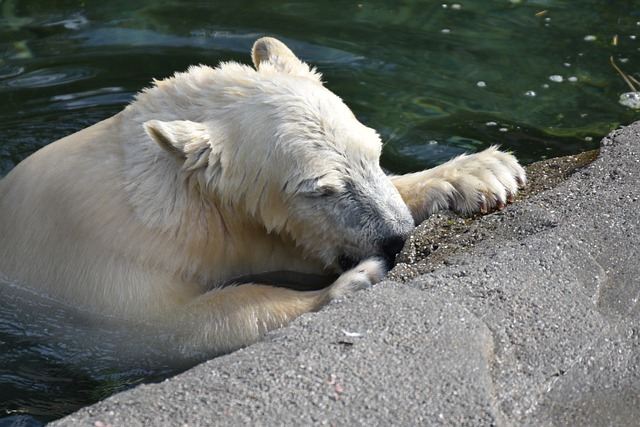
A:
363	275
485	181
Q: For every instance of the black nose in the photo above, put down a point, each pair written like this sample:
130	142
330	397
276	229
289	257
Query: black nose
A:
392	246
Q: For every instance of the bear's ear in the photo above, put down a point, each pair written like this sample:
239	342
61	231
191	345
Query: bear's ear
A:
180	138
279	56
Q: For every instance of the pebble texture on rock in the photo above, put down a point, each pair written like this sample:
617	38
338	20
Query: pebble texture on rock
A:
525	317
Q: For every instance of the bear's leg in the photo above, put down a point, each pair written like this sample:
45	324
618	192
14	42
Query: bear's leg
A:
226	319
466	184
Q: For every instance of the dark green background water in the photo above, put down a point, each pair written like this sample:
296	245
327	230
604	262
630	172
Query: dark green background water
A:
434	78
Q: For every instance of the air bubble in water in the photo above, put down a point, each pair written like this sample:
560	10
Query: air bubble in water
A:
630	99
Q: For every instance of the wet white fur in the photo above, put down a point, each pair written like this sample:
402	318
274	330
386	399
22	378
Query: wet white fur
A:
213	174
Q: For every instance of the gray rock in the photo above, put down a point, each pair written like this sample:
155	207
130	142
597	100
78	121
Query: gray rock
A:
528	316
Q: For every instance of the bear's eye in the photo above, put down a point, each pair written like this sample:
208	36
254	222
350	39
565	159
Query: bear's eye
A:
315	189
321	191
327	191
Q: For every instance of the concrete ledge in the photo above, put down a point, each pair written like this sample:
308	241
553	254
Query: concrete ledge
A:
528	316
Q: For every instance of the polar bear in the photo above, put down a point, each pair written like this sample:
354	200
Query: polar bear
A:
224	202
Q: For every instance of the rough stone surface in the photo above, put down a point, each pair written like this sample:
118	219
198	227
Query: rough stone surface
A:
525	317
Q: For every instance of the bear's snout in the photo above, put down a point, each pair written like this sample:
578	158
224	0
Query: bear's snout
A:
389	248
392	246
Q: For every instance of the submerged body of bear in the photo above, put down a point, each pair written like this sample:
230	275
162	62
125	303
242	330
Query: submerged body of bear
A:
162	213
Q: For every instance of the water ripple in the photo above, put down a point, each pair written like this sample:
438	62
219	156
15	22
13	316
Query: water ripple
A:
49	77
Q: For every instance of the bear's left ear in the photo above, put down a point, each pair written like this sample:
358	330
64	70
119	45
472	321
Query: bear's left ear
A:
183	139
279	56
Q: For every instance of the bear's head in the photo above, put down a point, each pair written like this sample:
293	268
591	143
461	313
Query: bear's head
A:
275	146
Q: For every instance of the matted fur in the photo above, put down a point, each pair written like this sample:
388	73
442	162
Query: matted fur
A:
218	173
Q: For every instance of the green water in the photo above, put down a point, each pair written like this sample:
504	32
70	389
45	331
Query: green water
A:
435	78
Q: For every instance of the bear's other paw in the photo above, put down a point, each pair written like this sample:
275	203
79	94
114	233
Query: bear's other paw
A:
467	184
485	181
363	275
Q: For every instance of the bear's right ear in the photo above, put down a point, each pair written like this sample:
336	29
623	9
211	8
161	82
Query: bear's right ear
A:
279	56
180	138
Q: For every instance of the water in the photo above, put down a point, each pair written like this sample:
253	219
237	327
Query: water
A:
54	359
435	78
